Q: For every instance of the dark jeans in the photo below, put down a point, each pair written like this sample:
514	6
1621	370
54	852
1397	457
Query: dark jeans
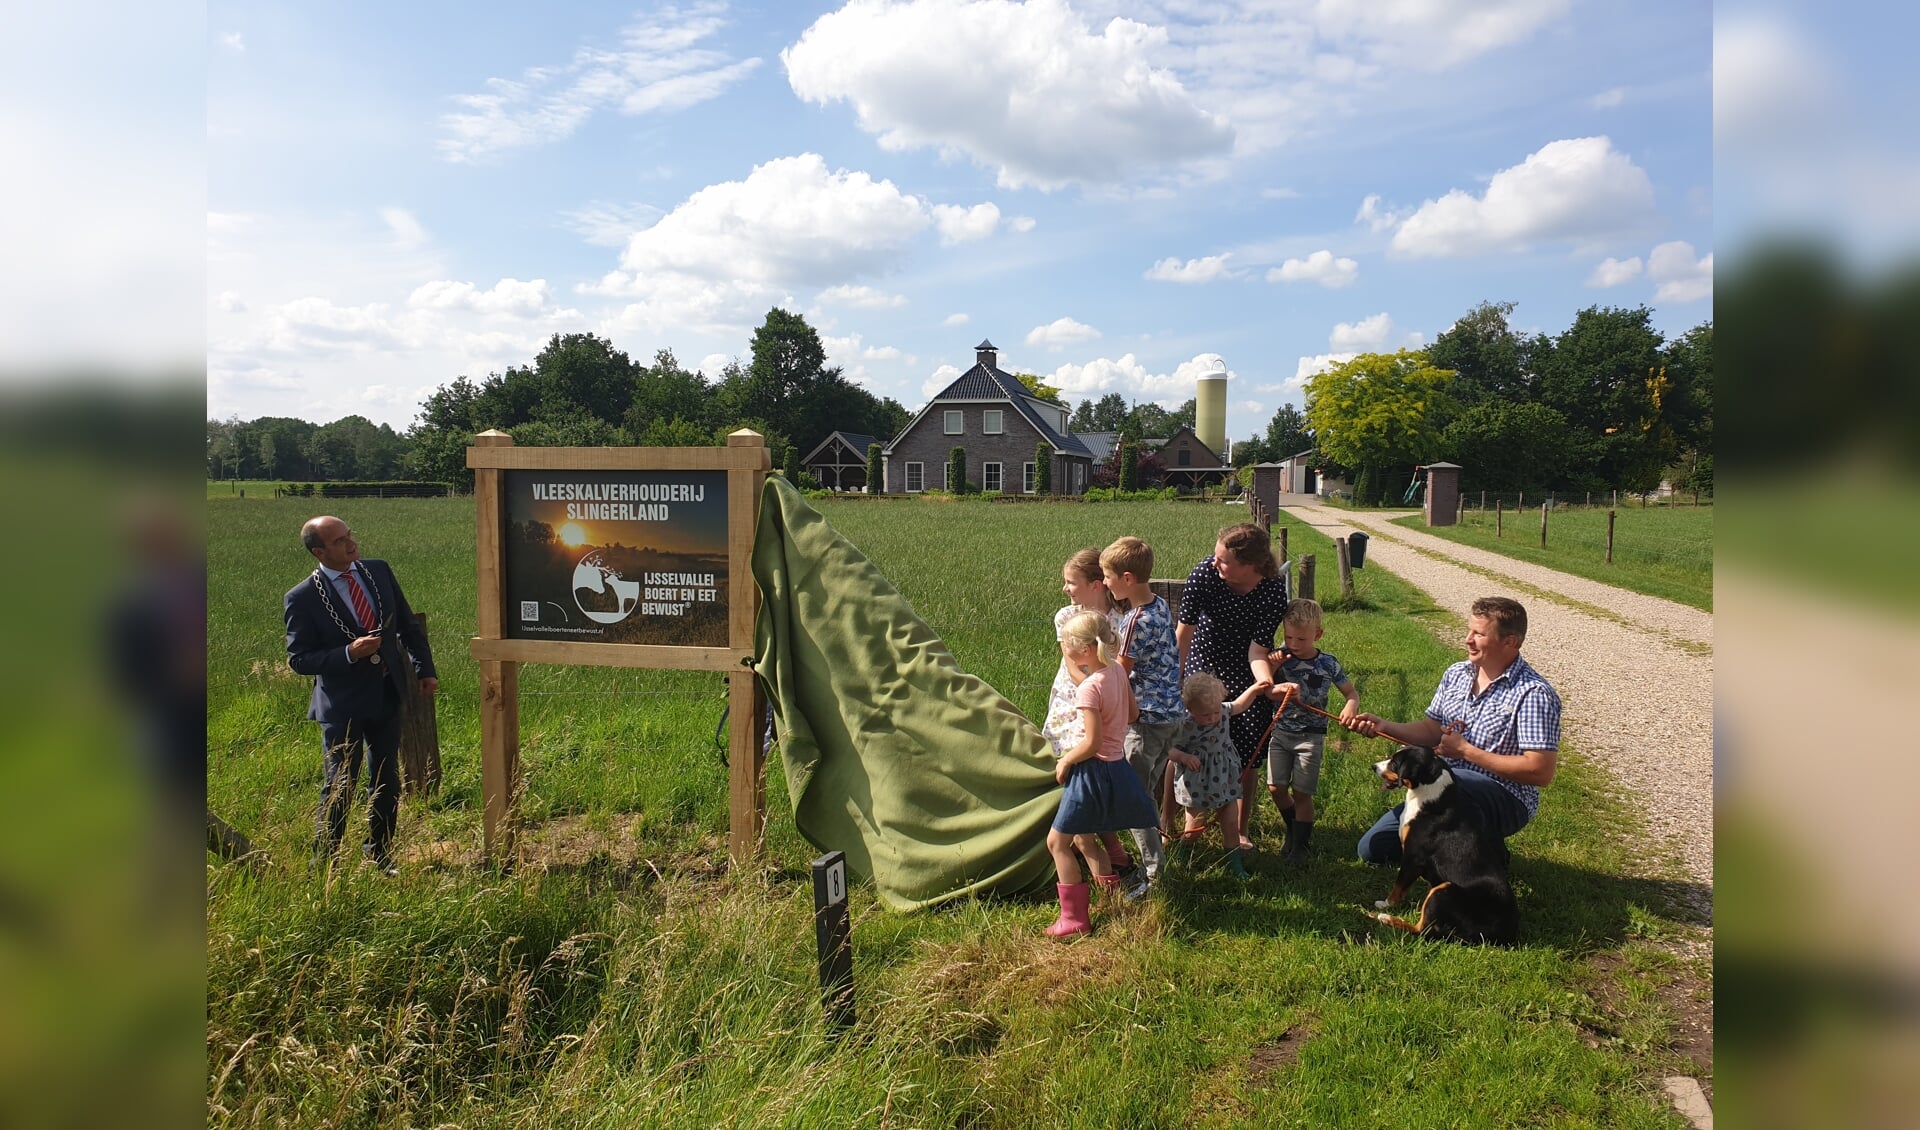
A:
1498	809
344	740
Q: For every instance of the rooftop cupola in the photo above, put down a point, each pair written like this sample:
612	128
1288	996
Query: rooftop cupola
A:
986	354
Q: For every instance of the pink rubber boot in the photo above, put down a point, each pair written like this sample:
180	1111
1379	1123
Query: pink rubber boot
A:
1073	911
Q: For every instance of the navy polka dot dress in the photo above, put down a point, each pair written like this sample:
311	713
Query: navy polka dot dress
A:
1225	622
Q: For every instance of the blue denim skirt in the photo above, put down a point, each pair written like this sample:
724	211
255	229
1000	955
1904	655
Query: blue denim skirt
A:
1104	796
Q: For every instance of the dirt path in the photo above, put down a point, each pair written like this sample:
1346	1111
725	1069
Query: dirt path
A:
1635	676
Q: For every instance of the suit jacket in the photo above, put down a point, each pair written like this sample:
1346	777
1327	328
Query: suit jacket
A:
317	646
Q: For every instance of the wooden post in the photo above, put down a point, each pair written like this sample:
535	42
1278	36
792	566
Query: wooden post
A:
747	757
1483	500
1499	517
1346	567
499	679
419	734
1306	576
1520	503
1609	537
1589	500
1615	504
1283	547
1460	514
1543	525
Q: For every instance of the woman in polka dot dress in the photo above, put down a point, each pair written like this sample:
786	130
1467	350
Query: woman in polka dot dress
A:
1230	615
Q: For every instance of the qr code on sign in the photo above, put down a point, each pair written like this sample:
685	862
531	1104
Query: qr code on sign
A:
529	610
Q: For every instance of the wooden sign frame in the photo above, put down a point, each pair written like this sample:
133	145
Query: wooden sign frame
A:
746	463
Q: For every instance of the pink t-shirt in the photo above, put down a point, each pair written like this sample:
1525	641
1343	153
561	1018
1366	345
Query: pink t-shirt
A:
1105	692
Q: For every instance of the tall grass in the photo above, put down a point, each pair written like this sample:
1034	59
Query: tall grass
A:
623	975
1663	551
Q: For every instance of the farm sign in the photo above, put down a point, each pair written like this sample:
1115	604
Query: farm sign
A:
616	556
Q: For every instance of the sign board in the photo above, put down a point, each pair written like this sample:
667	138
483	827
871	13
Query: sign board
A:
833	938
617	557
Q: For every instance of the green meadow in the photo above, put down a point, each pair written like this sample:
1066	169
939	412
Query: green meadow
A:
625	975
1664	551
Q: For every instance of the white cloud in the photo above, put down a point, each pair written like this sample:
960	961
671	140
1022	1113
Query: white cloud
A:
1320	267
406	230
1374	216
1608	99
730	249
508	296
230	302
1127	376
1363	336
1022	224
655	67
1060	332
938	379
1432	34
1772	89
1027	89
1578	190
1682	278
233	41
609	225
1192	271
1318	363
959	224
713	364
1613	272
1280	194
860	297
956	319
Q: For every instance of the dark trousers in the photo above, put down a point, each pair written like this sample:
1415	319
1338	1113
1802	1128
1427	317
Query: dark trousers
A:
380	737
1497	808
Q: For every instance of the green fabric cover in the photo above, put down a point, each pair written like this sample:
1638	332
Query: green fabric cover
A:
934	785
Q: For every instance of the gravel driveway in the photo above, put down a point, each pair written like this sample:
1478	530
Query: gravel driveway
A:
1635	676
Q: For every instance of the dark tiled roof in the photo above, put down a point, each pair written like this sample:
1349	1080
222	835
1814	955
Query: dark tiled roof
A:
982	383
854	440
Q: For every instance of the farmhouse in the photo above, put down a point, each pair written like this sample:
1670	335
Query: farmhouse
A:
1002	427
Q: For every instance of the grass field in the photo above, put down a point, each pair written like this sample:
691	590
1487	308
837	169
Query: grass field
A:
625	976
1664	551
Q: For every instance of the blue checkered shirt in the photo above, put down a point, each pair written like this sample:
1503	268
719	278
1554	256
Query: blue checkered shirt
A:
1519	711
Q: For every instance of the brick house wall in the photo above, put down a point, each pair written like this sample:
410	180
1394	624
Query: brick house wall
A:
928	444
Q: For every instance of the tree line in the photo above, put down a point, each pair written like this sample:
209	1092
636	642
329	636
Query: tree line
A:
579	391
1607	403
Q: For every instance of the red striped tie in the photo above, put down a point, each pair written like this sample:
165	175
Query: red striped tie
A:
361	608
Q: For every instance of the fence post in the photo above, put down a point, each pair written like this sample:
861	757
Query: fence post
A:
1615	504
1589	500
1483	500
1460	514
1283	545
1499	517
1609	537
1543	524
1346	566
1306	577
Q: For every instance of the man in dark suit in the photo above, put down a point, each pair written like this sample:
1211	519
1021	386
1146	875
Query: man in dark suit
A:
346	624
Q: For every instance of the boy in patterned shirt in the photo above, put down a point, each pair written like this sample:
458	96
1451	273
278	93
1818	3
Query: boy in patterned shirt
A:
1299	737
1152	660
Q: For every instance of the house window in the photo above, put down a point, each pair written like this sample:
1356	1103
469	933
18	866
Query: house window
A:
1186	458
1026	478
956	423
990	477
916	477
990	421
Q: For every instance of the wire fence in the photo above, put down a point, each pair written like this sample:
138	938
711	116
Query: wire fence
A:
1667	538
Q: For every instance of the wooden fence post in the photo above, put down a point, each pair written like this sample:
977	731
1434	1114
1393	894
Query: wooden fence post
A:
1543	525
1483	500
1609	537
1520	503
1283	545
1346	567
1306	576
1460	512
1499	517
419	735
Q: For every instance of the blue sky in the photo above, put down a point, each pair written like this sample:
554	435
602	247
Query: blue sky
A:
401	194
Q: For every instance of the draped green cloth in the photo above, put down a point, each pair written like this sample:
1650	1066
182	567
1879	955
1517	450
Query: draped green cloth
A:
934	785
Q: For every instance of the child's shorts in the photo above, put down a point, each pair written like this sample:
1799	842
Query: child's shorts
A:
1293	761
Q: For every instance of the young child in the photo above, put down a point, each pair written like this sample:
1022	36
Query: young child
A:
1208	776
1086	592
1101	794
1152	658
1293	756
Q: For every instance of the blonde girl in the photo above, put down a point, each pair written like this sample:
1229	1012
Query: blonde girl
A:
1080	579
1101	793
